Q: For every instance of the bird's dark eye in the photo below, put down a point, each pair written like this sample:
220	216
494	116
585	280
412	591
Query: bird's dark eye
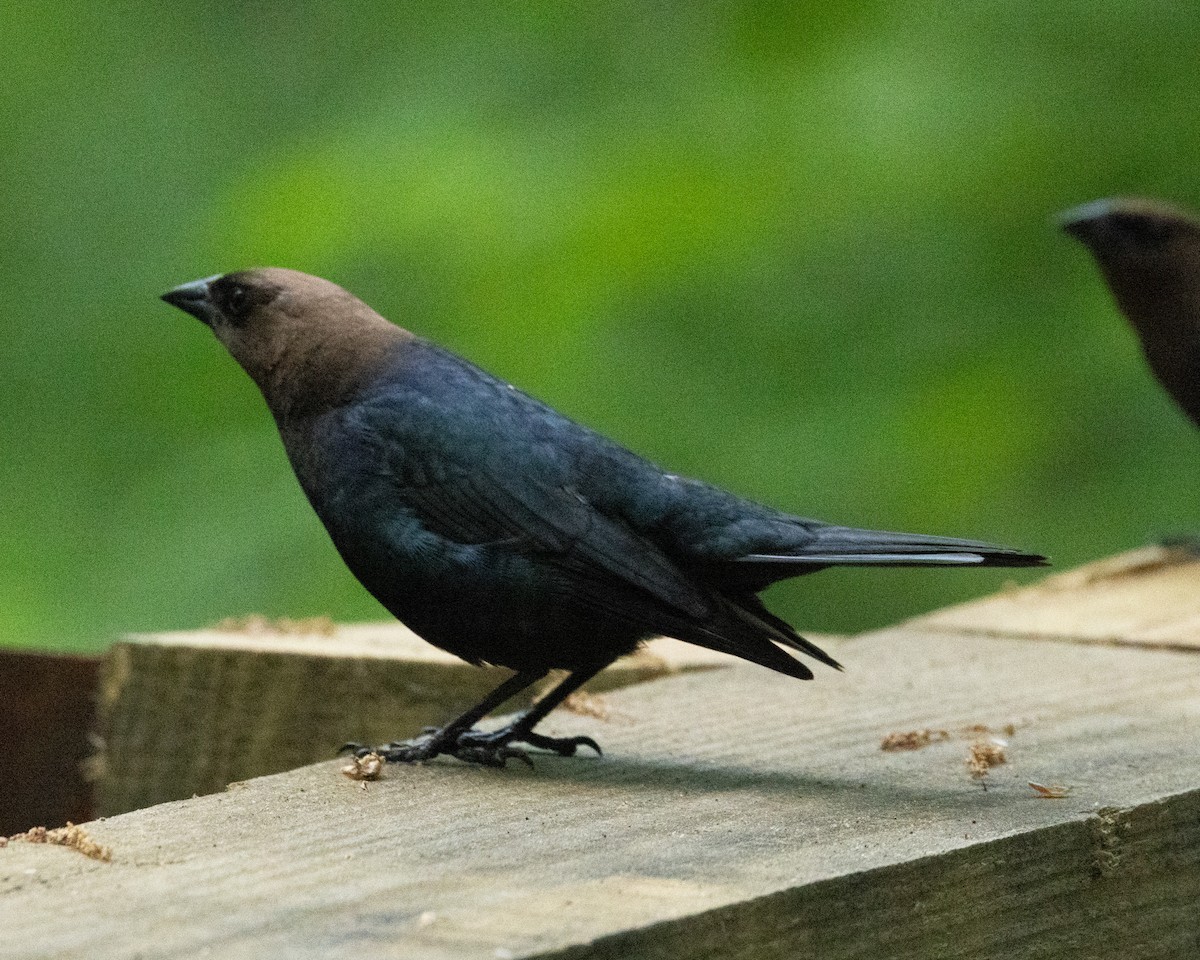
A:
237	296
237	303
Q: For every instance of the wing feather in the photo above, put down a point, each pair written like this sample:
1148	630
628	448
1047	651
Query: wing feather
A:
518	496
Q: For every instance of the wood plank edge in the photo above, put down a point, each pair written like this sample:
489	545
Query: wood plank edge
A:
1030	637
1116	883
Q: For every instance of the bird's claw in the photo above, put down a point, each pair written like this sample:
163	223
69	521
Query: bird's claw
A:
492	756
397	751
480	750
502	741
563	746
473	746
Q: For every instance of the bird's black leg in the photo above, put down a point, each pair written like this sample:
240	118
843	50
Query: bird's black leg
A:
435	741
496	747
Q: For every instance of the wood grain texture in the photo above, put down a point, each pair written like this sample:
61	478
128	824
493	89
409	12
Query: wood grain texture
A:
187	713
1148	597
736	814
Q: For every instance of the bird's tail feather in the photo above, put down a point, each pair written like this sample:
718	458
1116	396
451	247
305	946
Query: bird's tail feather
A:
745	628
850	546
752	610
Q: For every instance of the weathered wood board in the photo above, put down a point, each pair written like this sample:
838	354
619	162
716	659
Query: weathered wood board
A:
186	713
1148	597
736	814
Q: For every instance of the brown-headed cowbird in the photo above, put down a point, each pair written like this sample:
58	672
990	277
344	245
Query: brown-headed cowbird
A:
1149	252
501	531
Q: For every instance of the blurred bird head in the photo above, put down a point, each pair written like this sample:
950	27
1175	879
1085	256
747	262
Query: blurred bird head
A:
1135	235
282	324
1149	253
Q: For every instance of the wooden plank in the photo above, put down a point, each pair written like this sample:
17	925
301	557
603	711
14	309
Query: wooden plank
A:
735	814
187	713
1148	597
47	709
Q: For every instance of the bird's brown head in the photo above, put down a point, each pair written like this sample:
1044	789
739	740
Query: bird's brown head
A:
1135	235
295	334
1149	252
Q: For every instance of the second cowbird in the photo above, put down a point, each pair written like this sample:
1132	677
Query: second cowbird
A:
1149	252
505	533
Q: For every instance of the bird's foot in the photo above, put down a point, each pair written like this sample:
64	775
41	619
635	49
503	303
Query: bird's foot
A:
492	749
475	742
425	747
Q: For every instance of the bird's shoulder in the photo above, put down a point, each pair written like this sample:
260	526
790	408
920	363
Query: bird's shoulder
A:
433	406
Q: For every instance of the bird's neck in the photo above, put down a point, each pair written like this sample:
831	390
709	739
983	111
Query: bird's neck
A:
1164	310
310	374
1165	313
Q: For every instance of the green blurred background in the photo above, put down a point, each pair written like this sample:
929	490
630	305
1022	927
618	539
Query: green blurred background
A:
799	250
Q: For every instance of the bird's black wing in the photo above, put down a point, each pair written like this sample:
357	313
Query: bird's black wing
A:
480	470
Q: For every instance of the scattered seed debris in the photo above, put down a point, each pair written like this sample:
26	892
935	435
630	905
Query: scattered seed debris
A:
369	767
71	835
1052	792
257	623
983	755
983	730
913	740
986	750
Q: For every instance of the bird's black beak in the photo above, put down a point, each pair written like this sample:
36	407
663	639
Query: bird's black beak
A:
1081	222
193	298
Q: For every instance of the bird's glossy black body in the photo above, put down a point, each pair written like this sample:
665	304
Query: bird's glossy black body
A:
501	530
506	533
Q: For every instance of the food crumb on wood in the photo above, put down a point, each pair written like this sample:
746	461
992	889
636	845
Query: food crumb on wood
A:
1052	791
72	835
982	729
983	755
258	623
368	767
913	739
